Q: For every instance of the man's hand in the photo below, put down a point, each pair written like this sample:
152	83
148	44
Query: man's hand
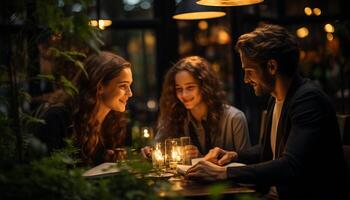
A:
206	171
220	156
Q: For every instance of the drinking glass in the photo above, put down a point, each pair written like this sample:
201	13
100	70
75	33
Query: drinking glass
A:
185	142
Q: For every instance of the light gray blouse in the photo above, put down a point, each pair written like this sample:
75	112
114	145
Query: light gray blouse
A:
233	131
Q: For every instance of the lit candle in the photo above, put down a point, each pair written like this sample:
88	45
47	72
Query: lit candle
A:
176	154
172	152
175	157
157	157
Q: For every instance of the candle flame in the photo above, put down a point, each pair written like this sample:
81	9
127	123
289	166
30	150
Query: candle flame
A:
176	154
158	155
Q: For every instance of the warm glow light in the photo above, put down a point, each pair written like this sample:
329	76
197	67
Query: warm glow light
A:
93	23
223	37
199	15
176	154
330	36
216	67
329	28
308	11
317	11
151	104
146	133
302	55
157	157
203	25
302	32
162	194
103	23
228	2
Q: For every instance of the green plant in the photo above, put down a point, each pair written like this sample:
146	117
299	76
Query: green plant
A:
56	177
68	38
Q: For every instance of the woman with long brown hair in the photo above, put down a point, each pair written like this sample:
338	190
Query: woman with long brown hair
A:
94	118
193	104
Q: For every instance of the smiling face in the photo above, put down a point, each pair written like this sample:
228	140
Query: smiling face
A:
187	90
117	92
262	82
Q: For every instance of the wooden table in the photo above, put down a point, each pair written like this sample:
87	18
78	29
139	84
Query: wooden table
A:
179	185
195	189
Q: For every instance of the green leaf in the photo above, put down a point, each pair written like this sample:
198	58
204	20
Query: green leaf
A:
28	119
68	86
24	96
81	66
49	77
217	190
71	56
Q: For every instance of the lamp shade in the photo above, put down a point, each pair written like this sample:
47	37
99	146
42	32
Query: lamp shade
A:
189	10
228	2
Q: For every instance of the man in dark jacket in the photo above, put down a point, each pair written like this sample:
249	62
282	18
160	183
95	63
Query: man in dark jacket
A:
300	155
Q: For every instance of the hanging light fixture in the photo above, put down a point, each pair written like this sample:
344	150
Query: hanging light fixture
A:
228	2
100	23
189	10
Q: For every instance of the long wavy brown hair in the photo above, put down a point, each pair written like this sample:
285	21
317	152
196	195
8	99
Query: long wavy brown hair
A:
101	69
173	112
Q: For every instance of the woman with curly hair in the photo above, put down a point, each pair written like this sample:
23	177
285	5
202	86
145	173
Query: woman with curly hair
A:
94	118
193	104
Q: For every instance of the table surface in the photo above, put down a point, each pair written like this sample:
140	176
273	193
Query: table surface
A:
179	184
188	188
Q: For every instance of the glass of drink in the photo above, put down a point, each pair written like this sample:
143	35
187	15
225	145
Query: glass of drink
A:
185	142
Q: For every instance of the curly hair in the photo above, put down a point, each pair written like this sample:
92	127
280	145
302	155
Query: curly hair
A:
271	42
173	112
101	69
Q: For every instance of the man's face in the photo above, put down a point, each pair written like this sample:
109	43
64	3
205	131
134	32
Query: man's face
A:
262	81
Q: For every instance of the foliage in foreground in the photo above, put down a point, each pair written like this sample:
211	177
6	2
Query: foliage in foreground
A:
57	177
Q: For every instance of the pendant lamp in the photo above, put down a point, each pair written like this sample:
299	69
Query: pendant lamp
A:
189	10
228	2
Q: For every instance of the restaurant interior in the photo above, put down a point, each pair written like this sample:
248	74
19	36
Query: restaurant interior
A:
42	42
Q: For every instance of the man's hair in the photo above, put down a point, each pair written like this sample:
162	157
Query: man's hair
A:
271	42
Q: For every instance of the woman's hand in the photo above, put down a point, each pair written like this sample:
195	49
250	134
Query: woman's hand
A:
110	156
207	171
114	155
220	156
146	152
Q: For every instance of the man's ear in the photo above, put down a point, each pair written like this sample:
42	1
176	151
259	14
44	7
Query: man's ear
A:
272	66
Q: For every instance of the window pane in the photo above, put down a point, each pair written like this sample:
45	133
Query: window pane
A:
138	47
124	9
323	49
312	8
212	40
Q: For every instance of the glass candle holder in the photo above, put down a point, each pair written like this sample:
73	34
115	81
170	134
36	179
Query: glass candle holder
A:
173	152
158	156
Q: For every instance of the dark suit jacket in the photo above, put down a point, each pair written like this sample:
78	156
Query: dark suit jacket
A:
309	160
